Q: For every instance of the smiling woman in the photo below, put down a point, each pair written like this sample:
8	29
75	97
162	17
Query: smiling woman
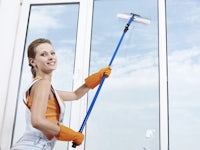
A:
45	106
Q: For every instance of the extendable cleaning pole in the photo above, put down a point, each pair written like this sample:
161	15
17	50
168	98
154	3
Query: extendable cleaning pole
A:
132	17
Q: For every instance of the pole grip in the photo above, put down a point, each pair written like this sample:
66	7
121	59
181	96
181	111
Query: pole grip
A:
74	145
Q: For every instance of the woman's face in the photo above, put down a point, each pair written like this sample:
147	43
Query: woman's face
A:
45	60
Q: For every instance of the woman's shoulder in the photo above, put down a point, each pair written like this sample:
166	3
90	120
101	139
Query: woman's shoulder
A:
42	82
41	85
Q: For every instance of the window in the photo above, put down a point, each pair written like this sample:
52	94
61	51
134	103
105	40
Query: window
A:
183	28
126	113
57	23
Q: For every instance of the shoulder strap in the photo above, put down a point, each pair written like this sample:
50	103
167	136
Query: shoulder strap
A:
27	91
61	104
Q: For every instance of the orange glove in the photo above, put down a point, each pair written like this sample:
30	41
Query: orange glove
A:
67	134
93	80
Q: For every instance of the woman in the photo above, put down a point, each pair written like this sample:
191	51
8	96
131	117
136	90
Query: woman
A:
45	106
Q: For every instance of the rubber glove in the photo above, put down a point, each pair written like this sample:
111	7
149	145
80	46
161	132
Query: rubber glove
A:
67	134
93	80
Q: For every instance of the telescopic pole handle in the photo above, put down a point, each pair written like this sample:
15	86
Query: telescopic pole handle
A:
90	108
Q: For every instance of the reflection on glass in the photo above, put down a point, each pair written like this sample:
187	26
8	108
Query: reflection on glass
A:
184	71
57	23
126	113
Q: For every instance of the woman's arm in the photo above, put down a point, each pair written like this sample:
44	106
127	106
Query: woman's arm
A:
90	83
40	94
77	94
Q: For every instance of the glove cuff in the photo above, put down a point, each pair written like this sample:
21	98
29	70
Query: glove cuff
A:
93	80
67	134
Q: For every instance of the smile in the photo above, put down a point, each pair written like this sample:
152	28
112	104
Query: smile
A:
51	63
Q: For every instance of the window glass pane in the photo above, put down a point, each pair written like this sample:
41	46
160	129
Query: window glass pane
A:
126	113
183	26
57	23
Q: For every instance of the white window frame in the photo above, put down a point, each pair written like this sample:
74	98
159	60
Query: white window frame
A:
81	65
163	76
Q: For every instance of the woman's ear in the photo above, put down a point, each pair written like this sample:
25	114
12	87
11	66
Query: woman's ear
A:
31	62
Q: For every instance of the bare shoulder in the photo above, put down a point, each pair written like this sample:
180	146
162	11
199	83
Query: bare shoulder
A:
42	85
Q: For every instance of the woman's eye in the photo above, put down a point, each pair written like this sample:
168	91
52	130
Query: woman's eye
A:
43	54
53	53
46	53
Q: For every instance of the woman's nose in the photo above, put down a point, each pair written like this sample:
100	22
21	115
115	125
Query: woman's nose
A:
51	56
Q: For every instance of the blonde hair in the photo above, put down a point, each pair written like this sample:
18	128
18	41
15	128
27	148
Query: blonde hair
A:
31	51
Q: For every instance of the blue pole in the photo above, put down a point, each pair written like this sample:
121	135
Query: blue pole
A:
103	78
